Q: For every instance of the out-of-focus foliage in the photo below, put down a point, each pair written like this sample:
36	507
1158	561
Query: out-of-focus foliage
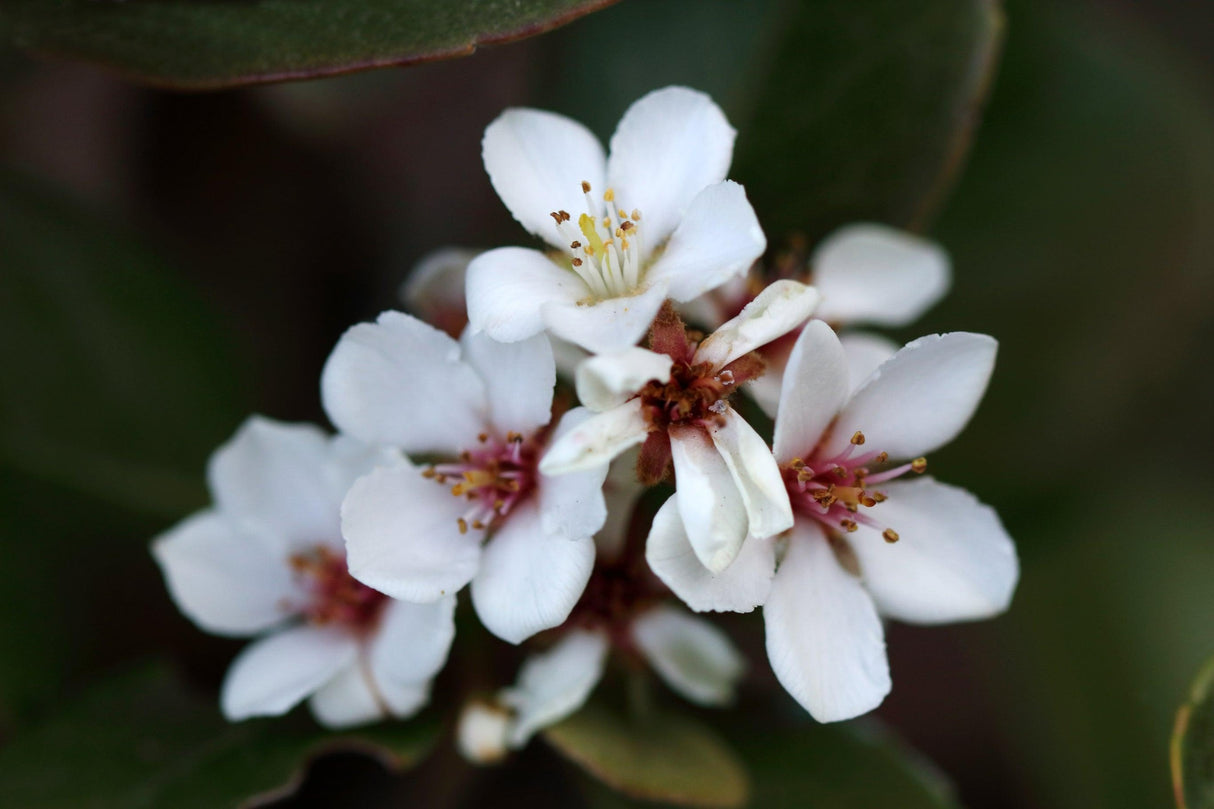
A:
1082	236
864	111
117	385
141	739
191	44
657	755
845	111
1193	745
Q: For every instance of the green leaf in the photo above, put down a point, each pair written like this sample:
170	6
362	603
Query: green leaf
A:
117	381
1193	745
221	43
660	756
864	111
142	740
117	385
853	766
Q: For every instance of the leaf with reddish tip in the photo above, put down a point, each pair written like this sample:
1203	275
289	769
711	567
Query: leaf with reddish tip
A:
661	757
1192	745
199	44
141	739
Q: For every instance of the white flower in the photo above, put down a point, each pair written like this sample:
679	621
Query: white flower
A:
653	220
676	402
864	544
267	558
868	275
484	409
693	657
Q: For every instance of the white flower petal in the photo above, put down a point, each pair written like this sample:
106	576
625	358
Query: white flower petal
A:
402	537
508	287
740	587
621	491
814	389
411	643
537	162
434	290
718	240
222	579
953	561
274	674
865	353
572	506
875	274
765	389
669	145
608	380
596	440
568	357
528	580
921	398
755	473
777	310
519	379
607	325
713	512
275	478
824	638
553	685
694	657
401	382
347	700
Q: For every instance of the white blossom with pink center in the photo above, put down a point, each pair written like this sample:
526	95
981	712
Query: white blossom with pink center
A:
480	511
866	542
267	559
655	219
675	399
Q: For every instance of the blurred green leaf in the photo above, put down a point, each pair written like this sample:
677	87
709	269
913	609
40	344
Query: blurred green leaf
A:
1193	745
141	739
117	385
117	381
854	766
863	111
658	756
210	43
844	110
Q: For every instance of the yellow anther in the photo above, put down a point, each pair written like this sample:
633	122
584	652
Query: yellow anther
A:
609	195
585	187
857	438
891	536
848	525
463	525
919	465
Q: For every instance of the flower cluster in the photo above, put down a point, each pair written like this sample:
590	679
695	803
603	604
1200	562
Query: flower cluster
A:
504	444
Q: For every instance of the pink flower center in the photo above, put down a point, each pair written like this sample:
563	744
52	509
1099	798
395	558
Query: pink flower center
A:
837	490
493	478
337	598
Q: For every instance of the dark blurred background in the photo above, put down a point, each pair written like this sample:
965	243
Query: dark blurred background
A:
255	225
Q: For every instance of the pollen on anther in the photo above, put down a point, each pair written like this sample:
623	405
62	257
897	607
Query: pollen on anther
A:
882	457
577	262
919	465
880	497
574	245
482	437
429	473
857	438
609	195
636	215
463	525
848	525
891	536
585	187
